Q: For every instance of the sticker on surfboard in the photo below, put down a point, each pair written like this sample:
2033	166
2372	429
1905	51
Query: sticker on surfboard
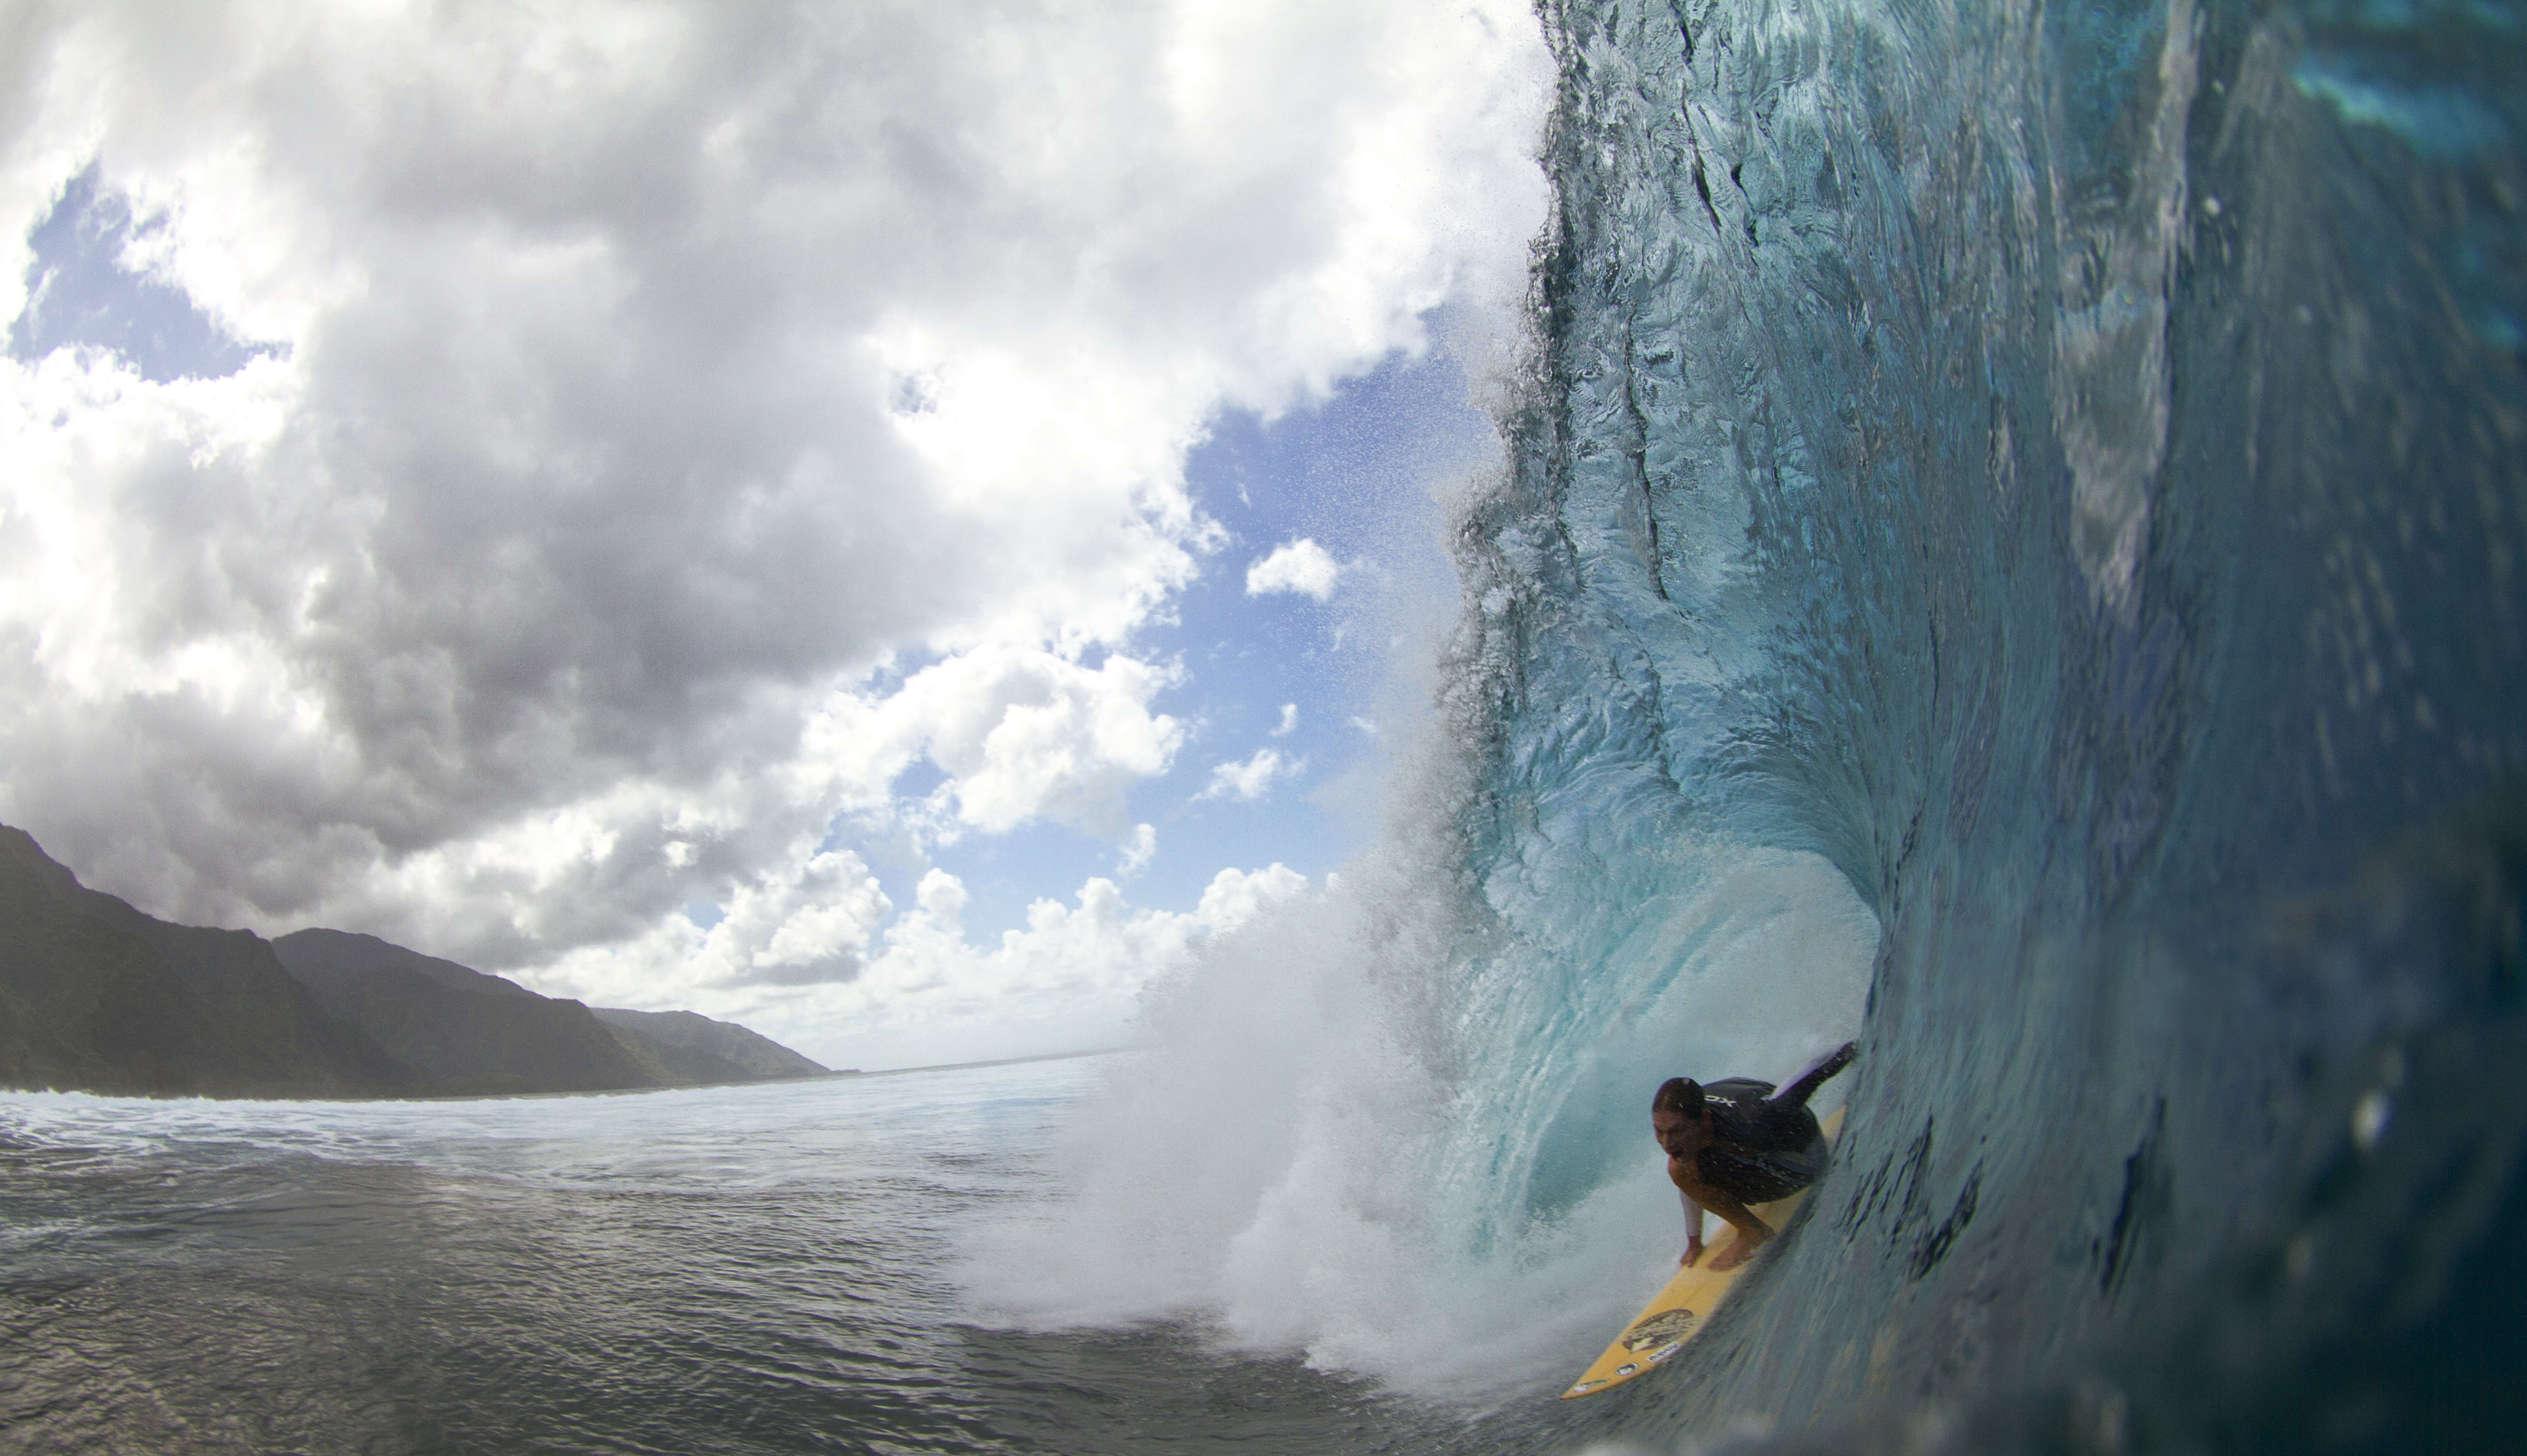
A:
1665	1325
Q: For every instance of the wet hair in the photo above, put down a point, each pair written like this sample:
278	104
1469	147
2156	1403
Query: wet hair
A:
1680	1094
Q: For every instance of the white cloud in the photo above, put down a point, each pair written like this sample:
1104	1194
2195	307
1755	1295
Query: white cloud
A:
929	993
805	926
1252	781
1289	721
1023	733
1138	850
1300	567
684	423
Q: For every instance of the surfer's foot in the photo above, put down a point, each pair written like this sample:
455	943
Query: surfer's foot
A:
1740	1250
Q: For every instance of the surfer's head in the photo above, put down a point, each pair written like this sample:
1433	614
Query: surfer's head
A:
1679	1094
1677	1115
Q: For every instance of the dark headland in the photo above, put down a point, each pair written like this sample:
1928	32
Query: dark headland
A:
97	997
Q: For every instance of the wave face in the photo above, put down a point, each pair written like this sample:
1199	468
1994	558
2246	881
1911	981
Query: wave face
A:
2063	465
2011	550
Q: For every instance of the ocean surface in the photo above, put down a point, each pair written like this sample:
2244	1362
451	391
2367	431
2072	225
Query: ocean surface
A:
2010	552
757	1268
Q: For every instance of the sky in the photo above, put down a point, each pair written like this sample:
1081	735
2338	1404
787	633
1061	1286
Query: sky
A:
890	523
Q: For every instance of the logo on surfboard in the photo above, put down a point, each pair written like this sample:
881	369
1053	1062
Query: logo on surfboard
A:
1658	1330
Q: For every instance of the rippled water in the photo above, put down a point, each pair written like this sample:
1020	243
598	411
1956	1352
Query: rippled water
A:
737	1269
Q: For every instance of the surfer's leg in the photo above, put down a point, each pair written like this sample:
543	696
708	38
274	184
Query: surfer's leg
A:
1799	1092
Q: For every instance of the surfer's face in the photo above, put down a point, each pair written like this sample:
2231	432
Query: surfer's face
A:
1679	1135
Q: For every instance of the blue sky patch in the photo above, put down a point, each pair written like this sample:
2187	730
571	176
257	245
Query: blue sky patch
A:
80	293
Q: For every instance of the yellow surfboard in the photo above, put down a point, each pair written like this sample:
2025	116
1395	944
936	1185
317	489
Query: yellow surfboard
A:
1678	1313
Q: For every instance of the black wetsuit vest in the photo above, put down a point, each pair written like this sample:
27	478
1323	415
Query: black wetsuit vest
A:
1760	1149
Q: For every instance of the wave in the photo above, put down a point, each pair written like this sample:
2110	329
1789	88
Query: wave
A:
2010	550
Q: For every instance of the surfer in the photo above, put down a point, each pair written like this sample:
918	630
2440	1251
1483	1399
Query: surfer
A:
1736	1142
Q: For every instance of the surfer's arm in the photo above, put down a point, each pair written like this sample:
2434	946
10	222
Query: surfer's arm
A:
1799	1092
1737	1214
1752	1229
1692	1229
1752	1232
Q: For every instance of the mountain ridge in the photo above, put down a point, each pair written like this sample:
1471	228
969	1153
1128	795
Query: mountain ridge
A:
97	996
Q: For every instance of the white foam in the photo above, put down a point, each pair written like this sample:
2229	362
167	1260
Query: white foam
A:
1320	1149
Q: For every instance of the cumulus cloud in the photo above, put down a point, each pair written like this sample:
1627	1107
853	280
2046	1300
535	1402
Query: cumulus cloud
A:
1301	567
1289	721
1138	850
928	991
1251	780
804	922
662	427
1024	734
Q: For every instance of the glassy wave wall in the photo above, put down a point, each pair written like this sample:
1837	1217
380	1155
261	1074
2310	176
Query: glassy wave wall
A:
2063	465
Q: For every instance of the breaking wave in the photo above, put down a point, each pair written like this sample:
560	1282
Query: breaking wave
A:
2010	551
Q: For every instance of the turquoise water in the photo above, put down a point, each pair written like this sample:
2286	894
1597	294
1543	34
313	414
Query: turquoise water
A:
2062	465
